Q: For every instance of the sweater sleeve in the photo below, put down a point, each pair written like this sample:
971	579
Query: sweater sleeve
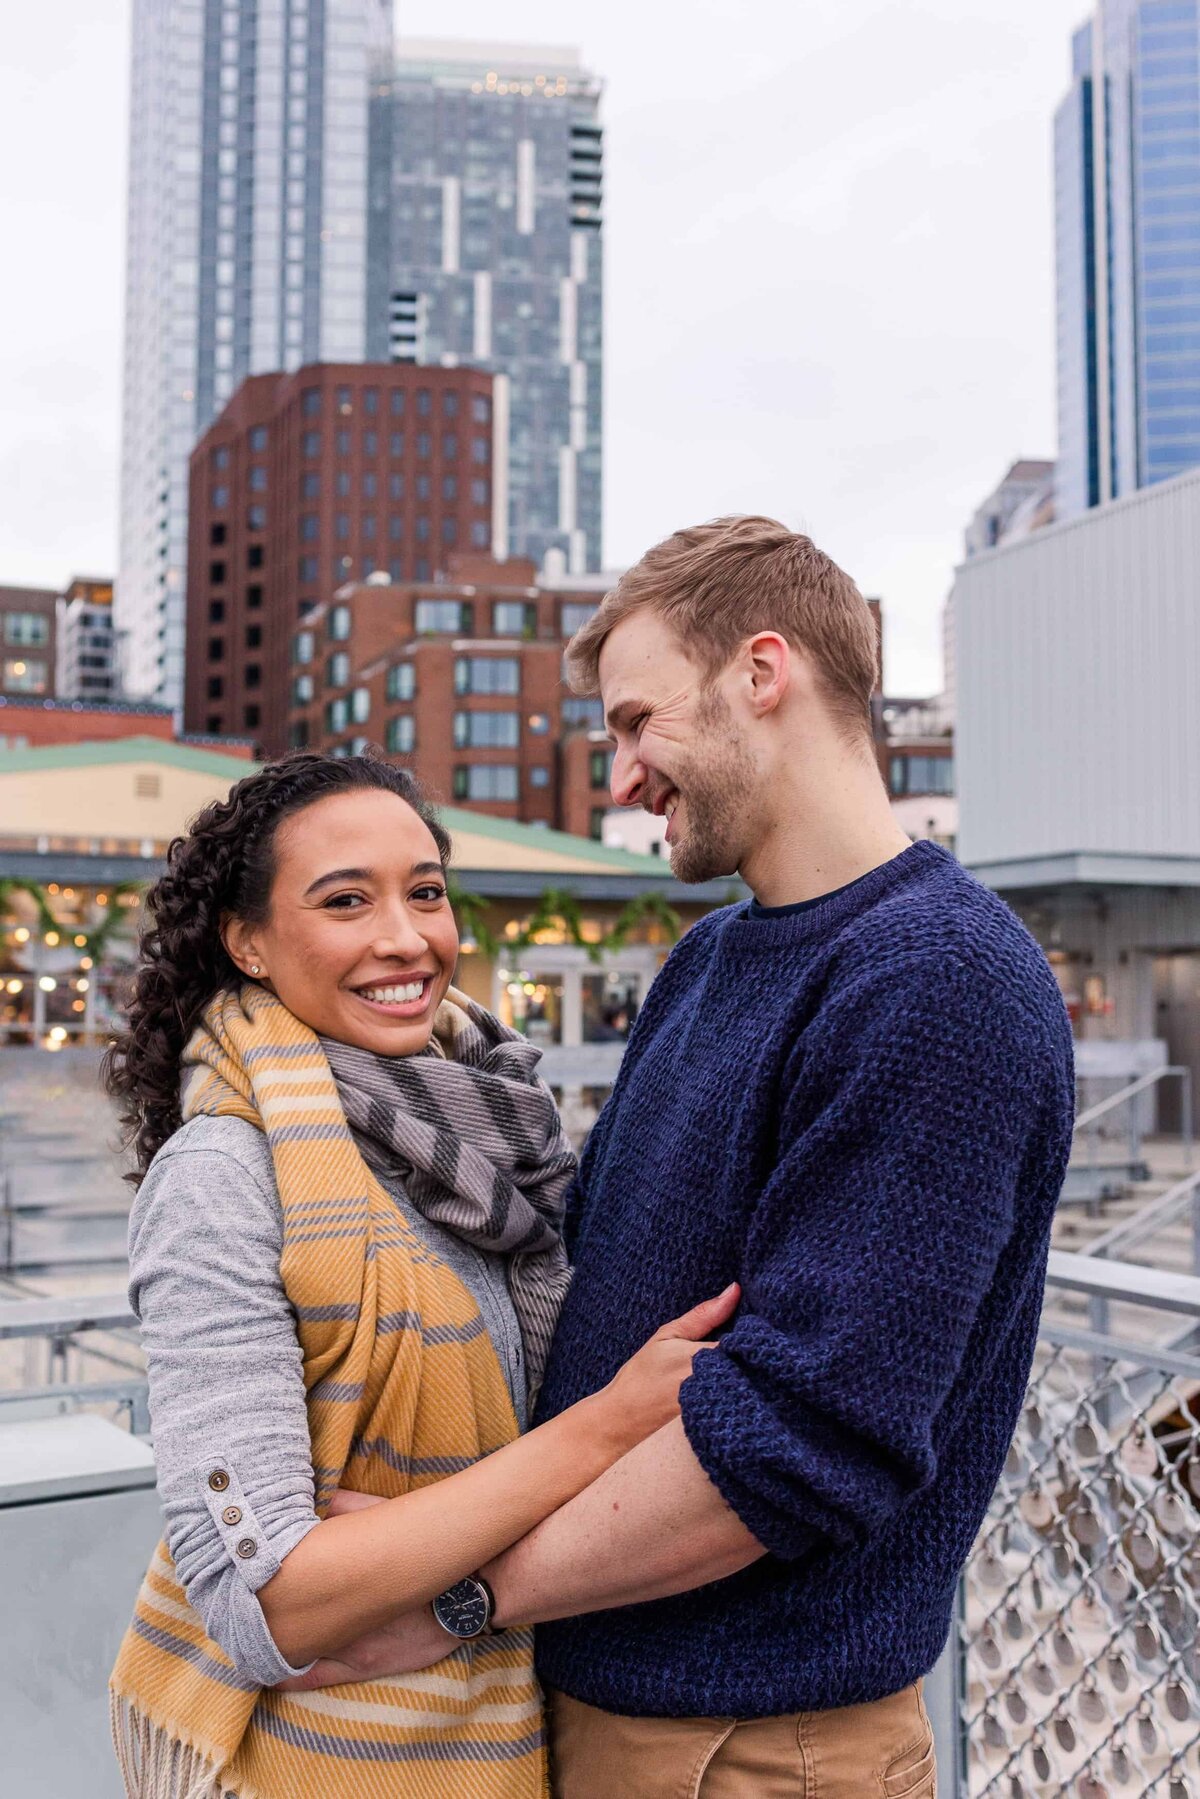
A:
911	1110
226	1391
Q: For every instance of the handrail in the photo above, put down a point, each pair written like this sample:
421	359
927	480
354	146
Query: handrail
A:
1126	1282
1141	1085
63	1317
1163	1210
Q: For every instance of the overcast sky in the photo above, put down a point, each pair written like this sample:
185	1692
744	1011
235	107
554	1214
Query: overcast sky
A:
829	243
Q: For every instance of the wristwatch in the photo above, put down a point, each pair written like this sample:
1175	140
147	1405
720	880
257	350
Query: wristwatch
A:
466	1608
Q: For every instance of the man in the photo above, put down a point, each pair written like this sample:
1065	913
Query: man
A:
853	1094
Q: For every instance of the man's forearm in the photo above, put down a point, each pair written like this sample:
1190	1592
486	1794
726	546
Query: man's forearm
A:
652	1525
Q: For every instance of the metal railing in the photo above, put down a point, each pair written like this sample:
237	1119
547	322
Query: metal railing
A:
1093	1125
1072	1666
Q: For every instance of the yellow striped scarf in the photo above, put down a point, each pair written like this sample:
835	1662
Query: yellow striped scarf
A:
403	1388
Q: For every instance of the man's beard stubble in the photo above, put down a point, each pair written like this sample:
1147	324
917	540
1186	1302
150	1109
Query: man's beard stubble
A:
714	787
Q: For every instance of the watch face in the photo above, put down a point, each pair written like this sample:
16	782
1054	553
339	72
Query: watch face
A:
463	1609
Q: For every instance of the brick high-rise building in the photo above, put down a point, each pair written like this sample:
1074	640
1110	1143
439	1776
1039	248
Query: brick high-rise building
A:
28	640
310	480
462	679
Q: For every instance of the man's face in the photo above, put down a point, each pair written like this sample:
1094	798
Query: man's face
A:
679	750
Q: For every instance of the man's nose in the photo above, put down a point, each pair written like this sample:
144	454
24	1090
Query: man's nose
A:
627	780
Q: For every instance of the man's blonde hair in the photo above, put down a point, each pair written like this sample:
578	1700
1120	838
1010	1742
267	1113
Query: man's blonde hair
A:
718	584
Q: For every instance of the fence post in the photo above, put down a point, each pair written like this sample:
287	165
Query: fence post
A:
945	1690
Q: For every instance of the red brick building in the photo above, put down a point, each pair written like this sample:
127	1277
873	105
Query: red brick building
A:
462	679
307	481
27	724
28	640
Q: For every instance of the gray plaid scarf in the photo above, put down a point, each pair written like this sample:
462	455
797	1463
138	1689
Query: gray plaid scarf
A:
476	1140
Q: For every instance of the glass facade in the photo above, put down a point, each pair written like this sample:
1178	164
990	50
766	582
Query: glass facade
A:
246	251
1127	165
485	247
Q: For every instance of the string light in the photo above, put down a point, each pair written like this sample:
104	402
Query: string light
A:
21	935
47	983
52	939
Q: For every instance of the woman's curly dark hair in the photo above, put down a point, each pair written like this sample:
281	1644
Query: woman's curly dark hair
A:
224	865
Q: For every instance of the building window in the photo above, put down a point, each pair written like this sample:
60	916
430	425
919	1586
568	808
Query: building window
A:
370	486
588	714
216	573
343	443
213	724
370	401
302	690
220	498
479	449
539	777
596	824
422	487
312	443
339	624
26	630
26	674
487	674
336	714
341	484
368	526
600	767
401	735
216	649
310	402
254	637
251	717
253	675
402	681
254	556
479	491
303	647
360	705
308	568
449	447
424	445
370	443
343	399
450	404
481	534
449	487
513	618
217	534
256	518
310	485
424	402
254	595
220	458
216	611
481	409
337	669
422	530
341	526
497	781
539	724
396	529
298	734
449	532
920	774
421	569
310	527
396	443
215	688
258	473
486	730
442	615
396	402
574	614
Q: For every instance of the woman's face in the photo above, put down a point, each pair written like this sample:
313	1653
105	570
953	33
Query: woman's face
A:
360	943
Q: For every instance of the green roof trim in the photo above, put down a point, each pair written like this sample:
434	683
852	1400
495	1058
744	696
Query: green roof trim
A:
110	753
509	830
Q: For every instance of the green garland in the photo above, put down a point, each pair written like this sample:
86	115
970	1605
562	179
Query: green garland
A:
96	939
554	907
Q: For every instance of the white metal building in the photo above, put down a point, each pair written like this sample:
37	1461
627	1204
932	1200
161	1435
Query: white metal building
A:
1078	751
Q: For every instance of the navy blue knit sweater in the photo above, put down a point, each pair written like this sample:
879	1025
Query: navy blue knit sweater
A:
862	1111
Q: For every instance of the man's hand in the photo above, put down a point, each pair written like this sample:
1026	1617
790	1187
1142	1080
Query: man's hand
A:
413	1641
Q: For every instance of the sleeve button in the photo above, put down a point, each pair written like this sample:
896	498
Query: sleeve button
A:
246	1548
232	1514
218	1480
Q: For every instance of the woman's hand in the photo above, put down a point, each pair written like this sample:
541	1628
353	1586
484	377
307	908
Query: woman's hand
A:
643	1395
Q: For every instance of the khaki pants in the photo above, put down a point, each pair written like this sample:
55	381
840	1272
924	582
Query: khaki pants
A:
878	1751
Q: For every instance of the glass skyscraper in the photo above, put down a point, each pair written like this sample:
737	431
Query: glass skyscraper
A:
1127	180
246	252
486	248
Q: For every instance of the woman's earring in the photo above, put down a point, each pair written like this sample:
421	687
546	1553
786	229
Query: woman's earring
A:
254	968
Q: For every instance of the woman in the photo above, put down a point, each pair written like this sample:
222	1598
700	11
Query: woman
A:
346	1255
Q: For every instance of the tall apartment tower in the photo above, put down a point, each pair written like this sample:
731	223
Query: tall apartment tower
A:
486	247
1127	221
246	252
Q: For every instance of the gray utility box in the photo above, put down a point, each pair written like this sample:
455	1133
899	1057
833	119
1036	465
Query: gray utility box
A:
79	1518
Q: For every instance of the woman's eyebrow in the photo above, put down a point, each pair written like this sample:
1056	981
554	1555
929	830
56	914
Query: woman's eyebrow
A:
338	874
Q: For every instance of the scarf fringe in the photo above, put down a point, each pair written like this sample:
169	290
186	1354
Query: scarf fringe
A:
155	1765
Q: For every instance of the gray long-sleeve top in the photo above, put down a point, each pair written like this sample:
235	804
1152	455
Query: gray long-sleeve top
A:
226	1373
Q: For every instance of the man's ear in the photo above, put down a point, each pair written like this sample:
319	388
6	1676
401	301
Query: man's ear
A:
769	664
